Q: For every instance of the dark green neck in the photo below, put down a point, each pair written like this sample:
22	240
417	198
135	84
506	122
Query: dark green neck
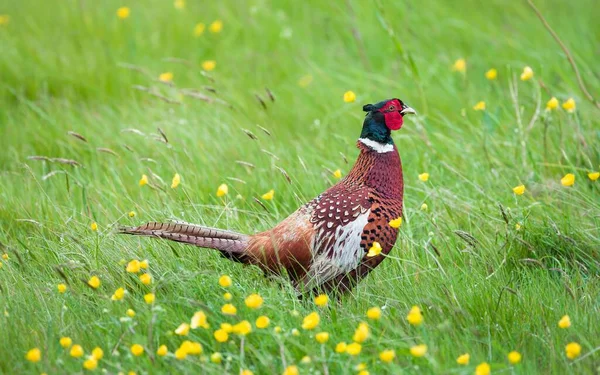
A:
374	129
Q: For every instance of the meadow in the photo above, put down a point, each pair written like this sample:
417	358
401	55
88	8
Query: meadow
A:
122	112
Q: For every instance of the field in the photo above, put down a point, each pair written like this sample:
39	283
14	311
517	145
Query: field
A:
93	98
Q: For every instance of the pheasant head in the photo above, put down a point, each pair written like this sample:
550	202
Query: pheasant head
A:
382	118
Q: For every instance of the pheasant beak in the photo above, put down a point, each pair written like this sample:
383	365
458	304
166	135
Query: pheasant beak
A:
407	110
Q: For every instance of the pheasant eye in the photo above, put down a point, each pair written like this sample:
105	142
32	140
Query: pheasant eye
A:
391	108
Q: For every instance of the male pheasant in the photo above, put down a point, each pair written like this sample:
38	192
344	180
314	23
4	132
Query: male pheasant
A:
325	244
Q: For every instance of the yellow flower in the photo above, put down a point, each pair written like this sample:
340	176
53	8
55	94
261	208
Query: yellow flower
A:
568	179
353	349
162	351
131	213
123	12
254	301
483	369
349	96
118	294
305	80
227	327
179	4
199	320
94	226
311	320
143	180
209	65
190	347
552	104
374	250
90	364
341	347
593	175
221	335
569	105
228	309
460	65
246	372
361	366
295	332
97	353
130	313
564	322
176	181
76	351
180	353
519	190
144	264
424	177
133	266
277	329
146	278
183	329
4	19
225	280
34	355
94	282
361	333
463	359
268	195
424	207
573	350
527	74
514	357
387	355
306	360
216	357
222	190
149	298
165	77
216	26
491	74
418	350
396	223
518	226
374	313
242	328
65	342
137	350
291	370
480	106
199	29
321	300
415	317
61	288
322	337
363	372
227	296
337	174
262	322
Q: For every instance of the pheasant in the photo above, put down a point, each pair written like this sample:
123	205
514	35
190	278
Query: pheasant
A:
325	245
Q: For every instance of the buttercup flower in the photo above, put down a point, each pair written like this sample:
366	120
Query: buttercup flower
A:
268	195
94	226
564	322
527	74
568	180
291	370
321	300
199	29
165	77
254	301
221	335
94	282
353	349
183	329
573	350
143	180
374	313
123	12
146	278
199	320
242	328
337	174
396	223
61	288
418	350
228	309
387	355
216	357
162	351
295	332
415	317
130	313
483	369
552	104
480	106
209	65
491	74
306	360
98	353
593	175
133	266
375	249
349	96
118	294
90	364
322	337
460	65
225	281
227	296
424	177
569	105
311	321
341	347
137	350
216	26
518	226
149	298
361	333
65	342
222	190
262	322
76	351
514	357
227	327
463	359
424	207
4	19
179	4
519	190
34	355
176	181
131	214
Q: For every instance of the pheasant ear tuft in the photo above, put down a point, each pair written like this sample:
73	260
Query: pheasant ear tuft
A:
368	107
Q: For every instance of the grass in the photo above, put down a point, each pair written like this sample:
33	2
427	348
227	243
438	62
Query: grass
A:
484	287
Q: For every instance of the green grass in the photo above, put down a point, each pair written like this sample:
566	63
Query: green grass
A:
485	288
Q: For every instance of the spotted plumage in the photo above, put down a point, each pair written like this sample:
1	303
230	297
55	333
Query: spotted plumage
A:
324	244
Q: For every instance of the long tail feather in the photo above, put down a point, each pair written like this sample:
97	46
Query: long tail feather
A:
230	243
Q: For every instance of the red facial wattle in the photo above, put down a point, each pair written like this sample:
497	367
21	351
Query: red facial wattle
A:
393	120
